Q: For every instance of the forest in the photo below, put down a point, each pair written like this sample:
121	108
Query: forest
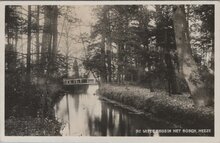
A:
163	48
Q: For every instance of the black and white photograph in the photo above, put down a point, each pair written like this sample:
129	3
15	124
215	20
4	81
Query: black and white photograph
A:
122	70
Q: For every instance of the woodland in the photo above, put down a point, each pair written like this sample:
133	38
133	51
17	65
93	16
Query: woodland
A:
163	48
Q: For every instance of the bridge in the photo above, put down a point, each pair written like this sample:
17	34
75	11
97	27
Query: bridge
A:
79	81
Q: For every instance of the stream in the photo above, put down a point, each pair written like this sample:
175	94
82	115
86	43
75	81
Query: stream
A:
85	114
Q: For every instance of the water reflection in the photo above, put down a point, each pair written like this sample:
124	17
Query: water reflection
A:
84	114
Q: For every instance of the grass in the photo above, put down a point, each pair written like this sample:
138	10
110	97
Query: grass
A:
176	108
32	113
29	126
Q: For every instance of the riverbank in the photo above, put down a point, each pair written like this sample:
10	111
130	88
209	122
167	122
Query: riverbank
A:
31	111
178	109
30	126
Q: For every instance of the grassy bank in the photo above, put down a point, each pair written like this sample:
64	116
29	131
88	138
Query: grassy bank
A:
29	109
29	126
177	108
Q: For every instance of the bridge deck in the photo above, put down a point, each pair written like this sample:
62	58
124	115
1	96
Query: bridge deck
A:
79	81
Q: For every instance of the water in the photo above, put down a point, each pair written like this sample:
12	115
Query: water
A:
85	114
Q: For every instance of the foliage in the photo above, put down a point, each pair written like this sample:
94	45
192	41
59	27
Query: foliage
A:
13	21
202	34
135	44
177	108
28	126
35	97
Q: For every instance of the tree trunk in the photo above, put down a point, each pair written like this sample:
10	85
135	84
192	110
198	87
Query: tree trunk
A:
29	46
109	61
150	77
37	36
8	35
171	75
120	62
67	50
16	39
75	69
109	48
46	38
49	58
55	37
188	67
67	65
103	73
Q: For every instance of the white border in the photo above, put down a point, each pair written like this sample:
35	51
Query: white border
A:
215	139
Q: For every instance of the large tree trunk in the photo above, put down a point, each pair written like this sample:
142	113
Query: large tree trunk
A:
55	37
171	75
37	36
46	38
164	41
188	67
29	46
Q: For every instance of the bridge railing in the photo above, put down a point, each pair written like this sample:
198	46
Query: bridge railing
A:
79	81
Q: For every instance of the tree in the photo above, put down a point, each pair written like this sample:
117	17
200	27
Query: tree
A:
46	38
29	46
38	37
204	13
55	37
75	69
165	39
98	36
49	40
188	67
13	23
107	34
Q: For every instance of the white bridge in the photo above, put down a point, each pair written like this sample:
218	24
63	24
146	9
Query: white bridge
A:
79	81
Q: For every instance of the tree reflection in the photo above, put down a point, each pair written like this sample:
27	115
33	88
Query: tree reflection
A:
104	120
87	115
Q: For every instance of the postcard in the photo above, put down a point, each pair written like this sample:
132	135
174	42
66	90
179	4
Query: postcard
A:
109	71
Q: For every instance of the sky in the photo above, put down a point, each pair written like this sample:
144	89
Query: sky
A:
76	49
84	13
